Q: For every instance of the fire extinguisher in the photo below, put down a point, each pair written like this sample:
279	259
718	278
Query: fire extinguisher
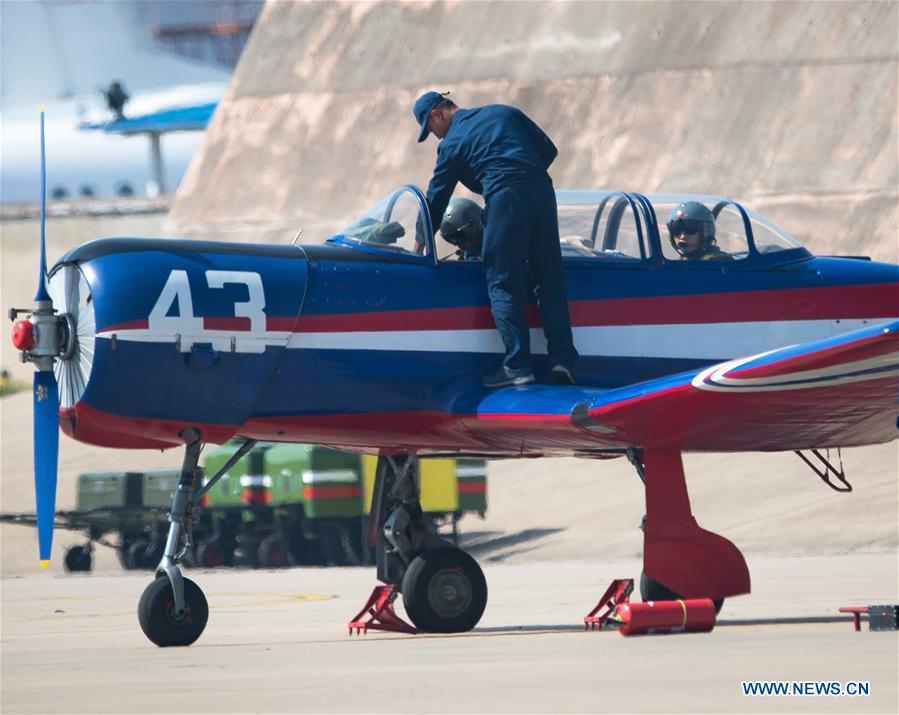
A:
695	615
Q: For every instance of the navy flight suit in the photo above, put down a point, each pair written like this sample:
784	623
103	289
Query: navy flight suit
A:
499	152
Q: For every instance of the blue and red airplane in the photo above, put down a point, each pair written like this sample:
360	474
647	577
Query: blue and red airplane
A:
377	341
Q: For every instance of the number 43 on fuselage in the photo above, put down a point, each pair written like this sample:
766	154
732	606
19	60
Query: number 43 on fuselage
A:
374	340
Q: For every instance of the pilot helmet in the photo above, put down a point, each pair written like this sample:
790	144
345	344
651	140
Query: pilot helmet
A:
462	222
692	217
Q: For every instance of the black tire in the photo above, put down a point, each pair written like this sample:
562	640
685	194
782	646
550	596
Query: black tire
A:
121	551
652	590
209	555
158	620
337	544
444	591
272	554
136	556
78	558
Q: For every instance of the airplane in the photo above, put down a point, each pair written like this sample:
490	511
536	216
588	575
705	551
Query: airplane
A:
377	340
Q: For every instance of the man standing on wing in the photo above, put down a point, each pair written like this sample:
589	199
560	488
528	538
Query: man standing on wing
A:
500	153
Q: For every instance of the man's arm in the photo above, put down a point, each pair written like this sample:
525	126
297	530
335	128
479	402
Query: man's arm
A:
442	185
544	145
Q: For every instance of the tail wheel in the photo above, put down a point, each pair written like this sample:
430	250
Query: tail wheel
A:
159	621
652	590
444	591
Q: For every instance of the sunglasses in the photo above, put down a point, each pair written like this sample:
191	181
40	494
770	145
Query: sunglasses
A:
687	226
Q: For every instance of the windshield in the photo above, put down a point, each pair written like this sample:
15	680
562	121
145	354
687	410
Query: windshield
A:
397	223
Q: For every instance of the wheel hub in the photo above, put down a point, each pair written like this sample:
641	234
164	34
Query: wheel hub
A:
449	593
172	615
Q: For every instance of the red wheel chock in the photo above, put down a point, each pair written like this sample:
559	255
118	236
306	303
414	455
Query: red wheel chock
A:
618	592
382	617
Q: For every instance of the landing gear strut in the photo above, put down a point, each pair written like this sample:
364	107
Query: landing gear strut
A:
680	558
443	588
173	610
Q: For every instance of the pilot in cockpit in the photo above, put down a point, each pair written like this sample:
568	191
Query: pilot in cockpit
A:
691	229
463	227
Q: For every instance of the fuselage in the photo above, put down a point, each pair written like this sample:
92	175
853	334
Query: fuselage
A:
334	345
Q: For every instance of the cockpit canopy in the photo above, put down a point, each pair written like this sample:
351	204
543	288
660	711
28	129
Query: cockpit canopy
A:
617	227
622	226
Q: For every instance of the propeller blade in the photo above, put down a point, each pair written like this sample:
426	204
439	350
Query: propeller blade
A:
46	455
42	294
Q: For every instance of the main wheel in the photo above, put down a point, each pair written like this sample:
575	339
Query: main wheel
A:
444	591
652	590
78	558
160	623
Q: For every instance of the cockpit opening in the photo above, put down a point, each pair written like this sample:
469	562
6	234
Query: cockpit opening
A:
398	223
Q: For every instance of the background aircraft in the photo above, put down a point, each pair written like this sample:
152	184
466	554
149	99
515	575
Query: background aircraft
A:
370	342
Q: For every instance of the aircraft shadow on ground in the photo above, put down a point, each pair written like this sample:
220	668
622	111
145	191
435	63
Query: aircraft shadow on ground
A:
497	545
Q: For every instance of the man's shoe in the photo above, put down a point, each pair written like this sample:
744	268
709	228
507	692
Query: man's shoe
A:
561	375
503	379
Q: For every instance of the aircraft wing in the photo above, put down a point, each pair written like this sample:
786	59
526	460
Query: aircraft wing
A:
837	392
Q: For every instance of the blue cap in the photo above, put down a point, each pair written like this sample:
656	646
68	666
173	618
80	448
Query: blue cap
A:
422	110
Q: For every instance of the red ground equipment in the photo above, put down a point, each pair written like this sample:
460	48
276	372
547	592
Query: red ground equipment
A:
695	615
381	616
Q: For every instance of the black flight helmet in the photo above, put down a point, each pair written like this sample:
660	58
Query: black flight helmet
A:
692	217
462	223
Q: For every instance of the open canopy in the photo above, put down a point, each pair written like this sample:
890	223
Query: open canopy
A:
599	225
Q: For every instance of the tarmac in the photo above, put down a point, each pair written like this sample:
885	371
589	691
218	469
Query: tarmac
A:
277	642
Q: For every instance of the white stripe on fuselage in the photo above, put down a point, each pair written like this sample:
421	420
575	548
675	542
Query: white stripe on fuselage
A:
686	341
698	341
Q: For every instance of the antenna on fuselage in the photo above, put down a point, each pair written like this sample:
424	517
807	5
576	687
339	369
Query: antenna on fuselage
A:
296	238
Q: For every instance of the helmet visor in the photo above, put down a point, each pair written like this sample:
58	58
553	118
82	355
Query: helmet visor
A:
684	225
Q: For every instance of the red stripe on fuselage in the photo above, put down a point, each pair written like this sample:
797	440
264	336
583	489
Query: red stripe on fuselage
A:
826	303
223	323
130	325
875	301
280	324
